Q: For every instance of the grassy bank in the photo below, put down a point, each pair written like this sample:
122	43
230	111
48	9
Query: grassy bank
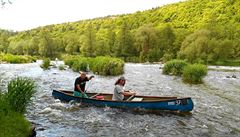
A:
9	58
99	65
13	105
227	63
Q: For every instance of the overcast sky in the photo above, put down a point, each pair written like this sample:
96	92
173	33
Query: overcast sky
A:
28	14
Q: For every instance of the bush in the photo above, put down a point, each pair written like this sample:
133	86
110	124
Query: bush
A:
107	66
19	94
100	65
16	58
46	63
81	64
194	73
174	67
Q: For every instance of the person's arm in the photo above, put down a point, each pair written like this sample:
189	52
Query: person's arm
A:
90	77
125	93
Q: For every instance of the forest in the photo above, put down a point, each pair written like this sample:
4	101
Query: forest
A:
197	31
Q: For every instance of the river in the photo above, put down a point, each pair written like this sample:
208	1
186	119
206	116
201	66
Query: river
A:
216	111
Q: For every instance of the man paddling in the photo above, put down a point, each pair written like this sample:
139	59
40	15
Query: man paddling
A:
119	92
79	85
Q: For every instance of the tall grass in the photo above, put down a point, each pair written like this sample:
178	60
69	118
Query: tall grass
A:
174	67
13	104
16	58
107	66
99	65
20	91
194	73
46	63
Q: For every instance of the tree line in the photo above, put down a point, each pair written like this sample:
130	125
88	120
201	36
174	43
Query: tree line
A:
202	31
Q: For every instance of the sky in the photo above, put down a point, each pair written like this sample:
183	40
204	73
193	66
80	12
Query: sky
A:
27	14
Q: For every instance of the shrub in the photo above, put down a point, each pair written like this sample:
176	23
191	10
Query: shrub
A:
174	67
81	64
100	65
194	73
20	91
107	66
16	58
46	63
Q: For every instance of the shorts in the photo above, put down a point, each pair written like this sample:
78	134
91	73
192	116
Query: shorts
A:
79	94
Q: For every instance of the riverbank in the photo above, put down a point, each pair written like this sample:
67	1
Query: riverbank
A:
13	105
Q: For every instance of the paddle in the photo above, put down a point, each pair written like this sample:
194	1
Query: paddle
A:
88	85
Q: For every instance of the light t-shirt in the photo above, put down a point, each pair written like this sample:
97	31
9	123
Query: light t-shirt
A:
117	93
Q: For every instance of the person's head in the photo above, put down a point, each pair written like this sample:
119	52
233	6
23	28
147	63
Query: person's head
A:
83	74
120	81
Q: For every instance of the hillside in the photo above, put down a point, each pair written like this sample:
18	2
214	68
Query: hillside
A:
204	28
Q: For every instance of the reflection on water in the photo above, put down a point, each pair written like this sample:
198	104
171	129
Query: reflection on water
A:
216	111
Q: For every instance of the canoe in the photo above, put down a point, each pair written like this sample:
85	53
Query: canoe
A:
138	102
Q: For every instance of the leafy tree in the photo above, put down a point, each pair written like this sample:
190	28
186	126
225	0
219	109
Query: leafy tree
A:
88	41
46	45
72	43
195	46
124	42
145	40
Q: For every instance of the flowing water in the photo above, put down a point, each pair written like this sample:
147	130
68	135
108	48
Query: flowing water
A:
216	111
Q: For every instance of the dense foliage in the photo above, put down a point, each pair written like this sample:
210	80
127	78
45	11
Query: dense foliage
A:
99	65
191	73
46	63
194	73
174	67
20	91
13	104
200	31
16	58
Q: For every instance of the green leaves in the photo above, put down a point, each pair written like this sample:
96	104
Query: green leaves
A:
20	91
194	73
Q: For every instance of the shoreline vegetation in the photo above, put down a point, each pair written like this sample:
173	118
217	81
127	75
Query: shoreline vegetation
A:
16	59
19	59
13	104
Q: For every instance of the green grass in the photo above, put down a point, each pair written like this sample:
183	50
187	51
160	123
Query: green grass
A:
13	124
9	58
227	63
100	65
194	73
174	67
46	63
13	104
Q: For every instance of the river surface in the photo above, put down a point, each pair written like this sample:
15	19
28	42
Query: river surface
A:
216	111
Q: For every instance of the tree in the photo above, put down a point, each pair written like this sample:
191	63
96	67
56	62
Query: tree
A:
124	42
88	41
166	39
196	46
145	40
102	44
47	47
72	43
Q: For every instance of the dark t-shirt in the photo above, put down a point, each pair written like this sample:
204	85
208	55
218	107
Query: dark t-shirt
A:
81	82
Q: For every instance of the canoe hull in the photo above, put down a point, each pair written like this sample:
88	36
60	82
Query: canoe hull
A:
179	104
